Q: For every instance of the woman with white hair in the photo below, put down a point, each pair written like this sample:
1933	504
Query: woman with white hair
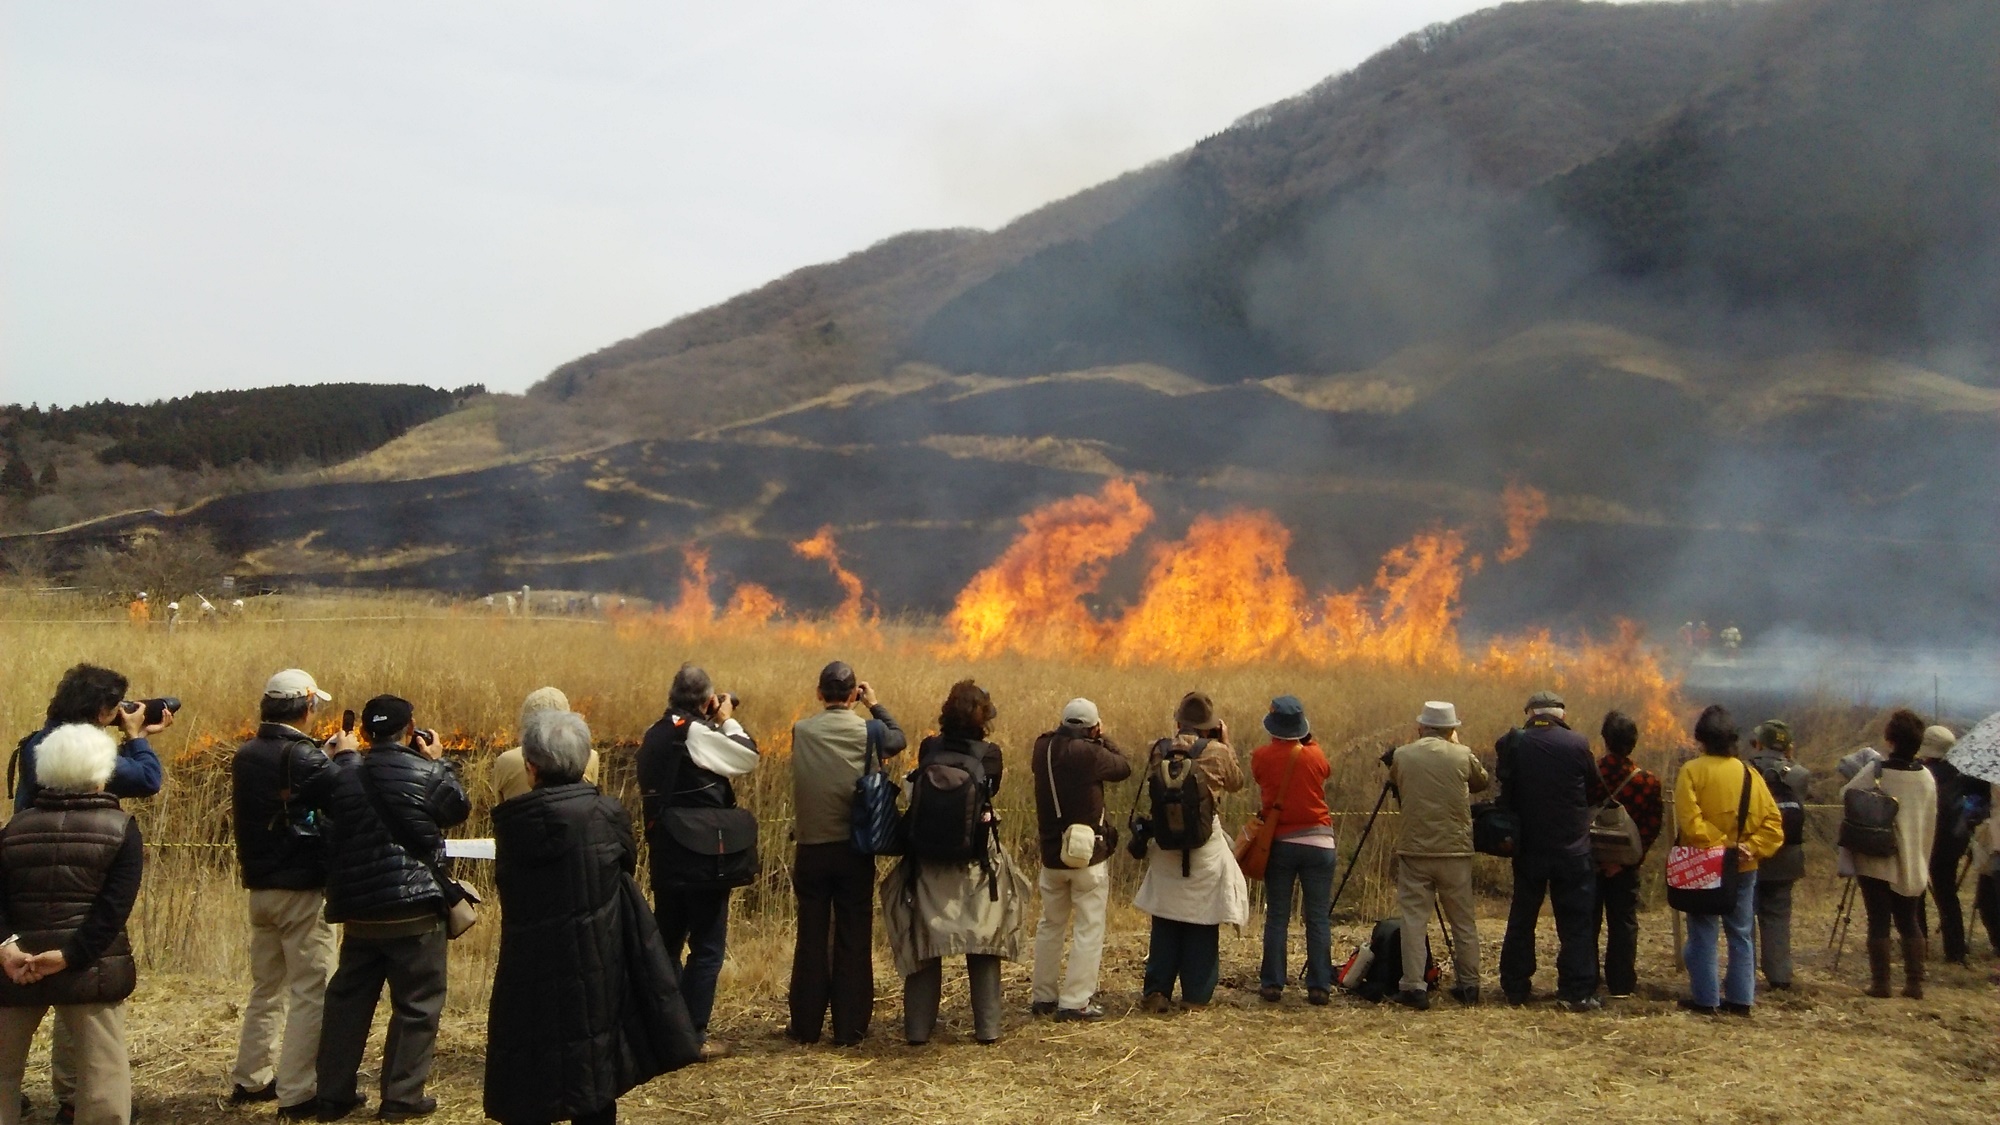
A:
510	774
586	1003
69	874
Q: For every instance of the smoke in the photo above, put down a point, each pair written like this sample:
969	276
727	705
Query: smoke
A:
1954	685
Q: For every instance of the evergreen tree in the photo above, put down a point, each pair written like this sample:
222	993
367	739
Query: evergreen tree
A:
49	477
17	479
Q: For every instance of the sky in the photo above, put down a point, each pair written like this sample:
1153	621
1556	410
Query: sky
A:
205	196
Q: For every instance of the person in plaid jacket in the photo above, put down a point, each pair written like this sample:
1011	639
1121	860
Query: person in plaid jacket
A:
1618	885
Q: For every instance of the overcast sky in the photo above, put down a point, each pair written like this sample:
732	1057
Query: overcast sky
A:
199	195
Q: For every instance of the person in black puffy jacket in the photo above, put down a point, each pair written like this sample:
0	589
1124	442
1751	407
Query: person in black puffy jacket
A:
392	906
586	1004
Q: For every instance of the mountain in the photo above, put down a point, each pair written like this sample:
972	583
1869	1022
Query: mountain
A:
1721	279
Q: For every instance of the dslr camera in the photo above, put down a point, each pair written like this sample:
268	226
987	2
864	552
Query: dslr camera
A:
156	709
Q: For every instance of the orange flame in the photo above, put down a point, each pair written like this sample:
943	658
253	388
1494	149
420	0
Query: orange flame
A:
822	547
1031	598
696	609
1525	507
752	604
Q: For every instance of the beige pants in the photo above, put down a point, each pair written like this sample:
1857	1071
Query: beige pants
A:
98	1065
1447	882
1080	893
291	959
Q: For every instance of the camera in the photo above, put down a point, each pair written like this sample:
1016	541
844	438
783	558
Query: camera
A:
1142	832
156	709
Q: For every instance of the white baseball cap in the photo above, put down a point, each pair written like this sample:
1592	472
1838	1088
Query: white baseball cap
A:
1080	713
294	683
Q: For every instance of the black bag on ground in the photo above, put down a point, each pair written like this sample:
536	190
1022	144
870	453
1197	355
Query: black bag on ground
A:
946	821
1868	819
876	822
1183	809
1496	829
1383	976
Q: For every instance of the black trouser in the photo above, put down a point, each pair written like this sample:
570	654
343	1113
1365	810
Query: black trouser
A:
697	921
414	970
924	989
1570	884
832	962
1885	907
1986	900
1774	931
1617	917
1945	855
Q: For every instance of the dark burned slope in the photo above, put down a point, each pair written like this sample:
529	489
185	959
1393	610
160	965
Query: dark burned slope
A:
1875	516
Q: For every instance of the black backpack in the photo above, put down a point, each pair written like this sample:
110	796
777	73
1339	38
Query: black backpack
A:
946	821
1791	804
1384	975
1183	808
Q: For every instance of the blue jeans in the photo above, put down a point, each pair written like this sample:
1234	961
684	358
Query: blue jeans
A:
1312	868
1741	985
1187	952
695	922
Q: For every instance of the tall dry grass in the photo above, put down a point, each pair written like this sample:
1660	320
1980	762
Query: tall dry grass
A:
466	669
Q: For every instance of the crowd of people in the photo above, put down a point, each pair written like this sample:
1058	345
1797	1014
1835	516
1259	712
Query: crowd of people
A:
597	989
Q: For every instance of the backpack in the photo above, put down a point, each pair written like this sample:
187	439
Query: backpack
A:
1791	803
946	821
1183	808
1375	971
1868	819
1614	835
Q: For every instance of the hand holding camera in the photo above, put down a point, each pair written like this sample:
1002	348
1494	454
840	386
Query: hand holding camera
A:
141	717
425	742
723	706
864	693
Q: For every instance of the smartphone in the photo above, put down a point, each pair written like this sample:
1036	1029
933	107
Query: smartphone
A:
347	720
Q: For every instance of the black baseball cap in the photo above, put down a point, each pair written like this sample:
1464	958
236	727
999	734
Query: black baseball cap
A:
836	680
386	716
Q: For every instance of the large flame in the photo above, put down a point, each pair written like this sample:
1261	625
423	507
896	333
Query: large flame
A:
822	547
1031	598
1524	507
1222	595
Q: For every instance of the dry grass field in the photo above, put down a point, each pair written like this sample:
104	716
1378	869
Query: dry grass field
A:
1821	1051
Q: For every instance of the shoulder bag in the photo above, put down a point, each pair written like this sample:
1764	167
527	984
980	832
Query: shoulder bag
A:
702	847
458	901
1253	843
1704	880
1079	841
1868	819
875	823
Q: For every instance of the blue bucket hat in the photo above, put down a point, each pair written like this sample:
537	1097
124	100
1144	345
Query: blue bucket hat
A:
1287	718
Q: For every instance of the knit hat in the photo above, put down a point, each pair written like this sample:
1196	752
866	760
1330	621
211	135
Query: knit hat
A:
1196	711
542	699
1937	742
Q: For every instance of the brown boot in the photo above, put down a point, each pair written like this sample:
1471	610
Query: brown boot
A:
1878	968
1914	949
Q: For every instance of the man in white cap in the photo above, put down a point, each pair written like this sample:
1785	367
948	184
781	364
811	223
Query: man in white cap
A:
1071	764
1435	777
278	853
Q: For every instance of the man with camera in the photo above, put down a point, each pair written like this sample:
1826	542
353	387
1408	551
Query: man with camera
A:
1549	779
686	766
1071	765
831	959
279	855
89	694
1434	778
385	814
96	696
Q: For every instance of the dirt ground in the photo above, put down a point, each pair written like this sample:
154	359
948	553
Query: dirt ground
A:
1822	1052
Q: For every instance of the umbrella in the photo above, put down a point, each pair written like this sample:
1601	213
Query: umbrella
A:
1978	753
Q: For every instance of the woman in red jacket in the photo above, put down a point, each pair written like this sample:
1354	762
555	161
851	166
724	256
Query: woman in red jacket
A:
1291	777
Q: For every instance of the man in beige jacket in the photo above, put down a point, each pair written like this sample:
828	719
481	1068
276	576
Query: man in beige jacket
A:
1435	777
510	770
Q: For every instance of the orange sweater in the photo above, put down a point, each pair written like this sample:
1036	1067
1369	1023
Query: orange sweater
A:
1305	805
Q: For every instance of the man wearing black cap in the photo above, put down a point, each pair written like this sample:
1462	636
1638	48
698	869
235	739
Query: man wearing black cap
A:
379	882
835	884
1549	779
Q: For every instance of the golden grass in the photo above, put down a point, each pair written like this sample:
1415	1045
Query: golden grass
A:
467	670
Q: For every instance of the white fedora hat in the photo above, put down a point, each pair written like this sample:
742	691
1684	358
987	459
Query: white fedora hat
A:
1442	716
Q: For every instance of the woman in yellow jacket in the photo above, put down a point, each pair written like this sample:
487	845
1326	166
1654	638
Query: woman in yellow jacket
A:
1707	795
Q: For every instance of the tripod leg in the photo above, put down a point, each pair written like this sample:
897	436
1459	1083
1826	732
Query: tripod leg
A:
1358	845
1437	908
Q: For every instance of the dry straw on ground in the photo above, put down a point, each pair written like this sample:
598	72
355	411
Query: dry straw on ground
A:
1821	1051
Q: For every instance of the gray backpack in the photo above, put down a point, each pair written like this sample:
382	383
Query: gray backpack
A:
1614	835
